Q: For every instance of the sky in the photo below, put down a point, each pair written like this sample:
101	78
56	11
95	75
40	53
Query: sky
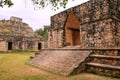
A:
36	18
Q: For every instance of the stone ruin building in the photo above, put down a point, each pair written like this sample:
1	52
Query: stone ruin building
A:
92	32
91	24
17	35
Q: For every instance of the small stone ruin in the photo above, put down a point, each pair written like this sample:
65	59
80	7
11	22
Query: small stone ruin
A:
16	35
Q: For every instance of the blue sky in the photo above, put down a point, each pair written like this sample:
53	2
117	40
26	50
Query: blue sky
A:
36	18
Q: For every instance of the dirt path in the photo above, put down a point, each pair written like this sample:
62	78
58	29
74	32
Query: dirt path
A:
81	76
0	57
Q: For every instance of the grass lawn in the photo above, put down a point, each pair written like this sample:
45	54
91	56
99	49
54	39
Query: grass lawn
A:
13	67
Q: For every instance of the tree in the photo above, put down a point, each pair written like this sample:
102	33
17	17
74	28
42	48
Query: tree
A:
43	32
9	3
55	4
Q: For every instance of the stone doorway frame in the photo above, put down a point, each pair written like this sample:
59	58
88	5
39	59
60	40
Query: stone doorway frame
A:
10	44
71	29
39	46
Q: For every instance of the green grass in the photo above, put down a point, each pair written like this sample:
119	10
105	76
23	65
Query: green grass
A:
13	67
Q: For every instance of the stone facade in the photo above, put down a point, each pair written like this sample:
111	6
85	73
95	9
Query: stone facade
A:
17	35
95	23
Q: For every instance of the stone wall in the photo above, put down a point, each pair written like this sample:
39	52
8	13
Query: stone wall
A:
99	23
3	46
16	19
15	27
99	34
55	38
87	12
19	43
114	8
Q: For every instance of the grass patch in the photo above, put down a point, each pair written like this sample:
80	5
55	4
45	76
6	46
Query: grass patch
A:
1	52
13	67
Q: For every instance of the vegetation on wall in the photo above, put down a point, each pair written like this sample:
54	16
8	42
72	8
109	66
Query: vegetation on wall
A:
43	32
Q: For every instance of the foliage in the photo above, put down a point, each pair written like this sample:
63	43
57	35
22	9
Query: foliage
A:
43	32
55	4
9	3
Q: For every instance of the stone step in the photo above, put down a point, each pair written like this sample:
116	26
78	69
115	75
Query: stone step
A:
105	59
105	56
107	52
31	57
37	53
103	65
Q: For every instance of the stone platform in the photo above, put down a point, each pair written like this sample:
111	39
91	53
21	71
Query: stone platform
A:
63	61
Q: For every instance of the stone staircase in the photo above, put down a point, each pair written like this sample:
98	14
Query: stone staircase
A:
104	62
63	61
69	61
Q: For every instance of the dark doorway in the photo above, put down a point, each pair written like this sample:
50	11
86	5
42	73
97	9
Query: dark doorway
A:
75	37
39	46
9	45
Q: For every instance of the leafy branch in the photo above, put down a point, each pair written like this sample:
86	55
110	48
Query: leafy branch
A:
9	3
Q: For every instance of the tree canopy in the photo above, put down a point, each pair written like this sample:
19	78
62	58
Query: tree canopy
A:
6	2
43	32
55	4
